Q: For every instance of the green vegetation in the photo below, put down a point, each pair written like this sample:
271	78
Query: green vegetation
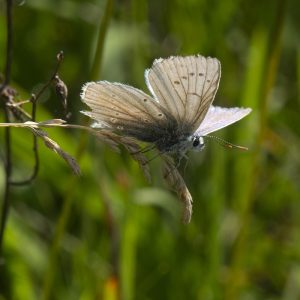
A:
108	233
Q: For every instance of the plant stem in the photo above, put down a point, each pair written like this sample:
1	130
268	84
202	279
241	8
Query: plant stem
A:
8	162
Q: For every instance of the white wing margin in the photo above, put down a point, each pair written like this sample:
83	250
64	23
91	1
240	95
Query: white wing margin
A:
185	86
220	117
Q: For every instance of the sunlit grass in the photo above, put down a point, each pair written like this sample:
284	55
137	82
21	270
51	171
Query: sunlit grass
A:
109	234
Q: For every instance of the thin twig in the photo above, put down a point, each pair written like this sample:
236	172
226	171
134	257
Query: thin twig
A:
8	168
35	150
60	57
35	167
48	124
23	115
8	163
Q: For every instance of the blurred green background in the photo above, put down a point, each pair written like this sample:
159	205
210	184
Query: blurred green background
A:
108	234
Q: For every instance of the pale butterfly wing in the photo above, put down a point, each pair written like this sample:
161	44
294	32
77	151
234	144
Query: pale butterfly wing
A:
185	87
125	109
220	117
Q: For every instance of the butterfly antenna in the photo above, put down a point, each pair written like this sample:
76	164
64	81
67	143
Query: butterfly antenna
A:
224	143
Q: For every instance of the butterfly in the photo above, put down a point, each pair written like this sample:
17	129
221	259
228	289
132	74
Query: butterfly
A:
178	114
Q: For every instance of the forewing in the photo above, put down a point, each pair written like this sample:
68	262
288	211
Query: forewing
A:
219	117
185	86
124	109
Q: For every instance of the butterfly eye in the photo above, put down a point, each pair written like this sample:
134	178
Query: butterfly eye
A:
198	143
